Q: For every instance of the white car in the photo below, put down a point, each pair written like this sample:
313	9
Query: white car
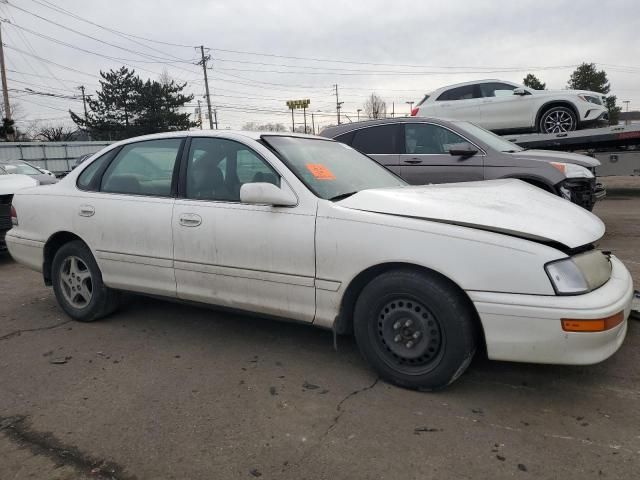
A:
505	107
9	185
305	228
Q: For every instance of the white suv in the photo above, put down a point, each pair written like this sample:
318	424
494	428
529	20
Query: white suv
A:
503	106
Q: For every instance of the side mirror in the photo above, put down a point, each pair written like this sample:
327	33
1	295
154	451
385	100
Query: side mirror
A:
462	150
266	194
519	91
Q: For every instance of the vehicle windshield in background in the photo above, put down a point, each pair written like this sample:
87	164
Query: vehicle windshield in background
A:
491	139
20	168
330	169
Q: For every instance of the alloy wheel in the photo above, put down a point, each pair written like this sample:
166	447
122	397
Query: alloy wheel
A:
76	282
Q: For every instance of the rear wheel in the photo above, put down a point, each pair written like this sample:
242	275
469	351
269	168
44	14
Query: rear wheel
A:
558	120
77	284
415	329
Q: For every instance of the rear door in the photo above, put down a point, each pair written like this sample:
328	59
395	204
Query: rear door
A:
502	110
125	215
460	103
426	157
383	143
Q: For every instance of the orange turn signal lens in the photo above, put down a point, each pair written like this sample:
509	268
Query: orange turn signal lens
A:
595	325
560	166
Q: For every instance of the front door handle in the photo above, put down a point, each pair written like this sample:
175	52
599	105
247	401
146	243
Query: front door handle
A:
413	161
87	210
190	220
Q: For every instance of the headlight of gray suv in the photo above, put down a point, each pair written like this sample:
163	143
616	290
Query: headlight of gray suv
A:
580	273
571	170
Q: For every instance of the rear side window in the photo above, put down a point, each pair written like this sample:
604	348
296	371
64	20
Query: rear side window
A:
382	139
460	93
143	168
88	179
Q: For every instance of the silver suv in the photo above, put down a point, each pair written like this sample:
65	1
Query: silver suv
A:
433	150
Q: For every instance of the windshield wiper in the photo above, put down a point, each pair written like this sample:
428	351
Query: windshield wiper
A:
342	196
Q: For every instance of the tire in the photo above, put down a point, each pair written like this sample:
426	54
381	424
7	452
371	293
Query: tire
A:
77	284
437	309
558	120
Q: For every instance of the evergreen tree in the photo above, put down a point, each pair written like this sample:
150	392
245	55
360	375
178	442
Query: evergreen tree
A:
587	77
532	81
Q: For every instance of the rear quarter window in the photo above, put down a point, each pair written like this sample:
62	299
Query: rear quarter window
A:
378	140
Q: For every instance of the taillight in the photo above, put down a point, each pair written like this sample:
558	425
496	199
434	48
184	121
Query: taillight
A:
414	111
14	216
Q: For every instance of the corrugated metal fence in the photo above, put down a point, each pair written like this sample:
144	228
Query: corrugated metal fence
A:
54	156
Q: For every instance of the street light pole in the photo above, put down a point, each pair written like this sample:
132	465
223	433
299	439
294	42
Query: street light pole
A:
626	120
359	110
410	107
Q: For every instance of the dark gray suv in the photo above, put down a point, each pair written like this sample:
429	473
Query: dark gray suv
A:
433	150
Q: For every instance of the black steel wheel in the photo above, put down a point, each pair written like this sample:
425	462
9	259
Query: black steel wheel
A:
415	328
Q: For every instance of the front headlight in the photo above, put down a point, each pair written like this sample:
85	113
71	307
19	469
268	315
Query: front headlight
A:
591	99
571	170
581	273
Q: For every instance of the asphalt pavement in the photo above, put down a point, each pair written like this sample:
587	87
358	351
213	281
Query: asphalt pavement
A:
161	390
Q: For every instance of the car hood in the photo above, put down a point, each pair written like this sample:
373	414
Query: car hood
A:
506	206
555	156
9	184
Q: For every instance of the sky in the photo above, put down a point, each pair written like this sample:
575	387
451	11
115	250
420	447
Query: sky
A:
265	53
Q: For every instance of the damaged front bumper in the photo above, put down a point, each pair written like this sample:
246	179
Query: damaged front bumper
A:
582	191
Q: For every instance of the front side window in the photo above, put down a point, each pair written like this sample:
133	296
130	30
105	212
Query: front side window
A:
466	92
377	140
217	168
426	138
496	89
143	168
331	170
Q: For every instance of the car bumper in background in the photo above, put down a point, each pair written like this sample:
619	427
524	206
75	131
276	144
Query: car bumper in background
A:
528	328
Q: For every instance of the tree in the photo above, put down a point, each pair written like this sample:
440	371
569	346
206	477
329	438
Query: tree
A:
375	107
587	77
125	106
7	129
53	133
532	81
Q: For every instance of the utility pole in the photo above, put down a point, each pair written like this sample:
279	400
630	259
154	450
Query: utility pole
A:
293	122
203	62
215	117
5	90
199	114
338	103
313	124
84	101
359	110
393	109
304	114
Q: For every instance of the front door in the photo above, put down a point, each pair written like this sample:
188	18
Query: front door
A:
249	257
426	157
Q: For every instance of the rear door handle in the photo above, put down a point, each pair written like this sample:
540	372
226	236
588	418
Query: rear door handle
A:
87	211
190	220
413	161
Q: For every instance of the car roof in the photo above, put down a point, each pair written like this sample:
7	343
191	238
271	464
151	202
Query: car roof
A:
333	132
212	133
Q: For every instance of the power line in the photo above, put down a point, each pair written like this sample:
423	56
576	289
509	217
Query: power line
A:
51	62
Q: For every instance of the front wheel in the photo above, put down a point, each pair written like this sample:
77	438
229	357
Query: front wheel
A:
77	284
558	120
416	329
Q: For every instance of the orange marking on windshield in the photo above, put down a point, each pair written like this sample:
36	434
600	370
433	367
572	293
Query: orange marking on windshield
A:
320	172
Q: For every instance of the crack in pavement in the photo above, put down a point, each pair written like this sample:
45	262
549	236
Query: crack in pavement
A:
339	409
17	333
16	428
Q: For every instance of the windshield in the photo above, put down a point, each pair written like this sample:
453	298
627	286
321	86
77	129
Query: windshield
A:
331	170
491	139
20	168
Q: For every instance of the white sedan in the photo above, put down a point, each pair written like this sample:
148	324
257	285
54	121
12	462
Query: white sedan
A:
503	106
305	228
